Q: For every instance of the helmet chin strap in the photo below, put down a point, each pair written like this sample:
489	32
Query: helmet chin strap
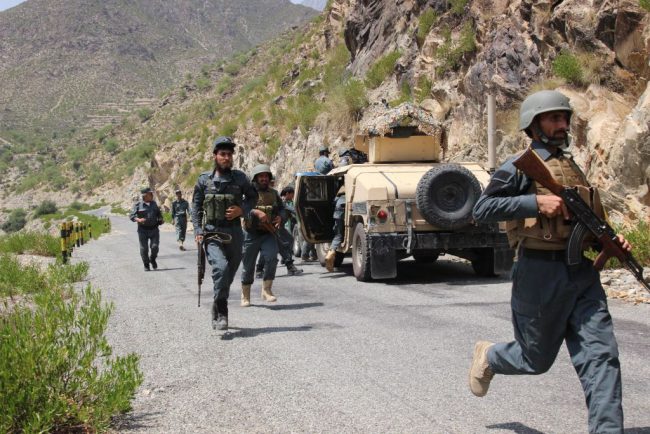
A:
560	143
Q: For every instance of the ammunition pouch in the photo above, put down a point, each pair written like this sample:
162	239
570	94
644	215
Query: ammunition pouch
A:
214	209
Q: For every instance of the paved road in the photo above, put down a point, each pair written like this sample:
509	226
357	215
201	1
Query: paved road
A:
335	355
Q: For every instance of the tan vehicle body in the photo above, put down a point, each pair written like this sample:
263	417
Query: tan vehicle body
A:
388	208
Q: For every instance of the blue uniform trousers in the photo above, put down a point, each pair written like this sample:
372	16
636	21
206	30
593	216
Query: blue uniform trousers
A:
554	303
149	240
224	260
181	228
285	245
264	243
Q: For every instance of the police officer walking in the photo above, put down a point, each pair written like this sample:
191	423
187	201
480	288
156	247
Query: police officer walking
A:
260	238
551	301
147	215
323	164
221	197
284	238
180	211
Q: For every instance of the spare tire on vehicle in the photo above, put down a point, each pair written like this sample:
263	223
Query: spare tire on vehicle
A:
446	195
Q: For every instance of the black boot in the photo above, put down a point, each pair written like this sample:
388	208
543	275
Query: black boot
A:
292	270
215	315
154	264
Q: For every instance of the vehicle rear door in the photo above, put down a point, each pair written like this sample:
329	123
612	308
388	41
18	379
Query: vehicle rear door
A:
315	206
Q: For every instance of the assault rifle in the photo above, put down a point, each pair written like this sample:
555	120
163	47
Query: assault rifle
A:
585	221
200	264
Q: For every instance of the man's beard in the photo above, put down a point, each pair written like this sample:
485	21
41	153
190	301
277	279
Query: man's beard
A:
223	168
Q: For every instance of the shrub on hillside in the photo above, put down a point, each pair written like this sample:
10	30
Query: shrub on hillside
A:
382	69
45	207
17	220
145	114
427	19
568	67
645	4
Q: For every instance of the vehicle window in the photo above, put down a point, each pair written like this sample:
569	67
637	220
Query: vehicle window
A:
316	190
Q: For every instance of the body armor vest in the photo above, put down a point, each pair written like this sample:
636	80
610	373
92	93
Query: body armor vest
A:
544	233
219	196
267	203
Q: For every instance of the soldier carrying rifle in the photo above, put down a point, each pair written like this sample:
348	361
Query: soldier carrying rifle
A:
221	197
552	301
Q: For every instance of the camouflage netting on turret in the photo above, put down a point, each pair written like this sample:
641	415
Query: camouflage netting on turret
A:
380	121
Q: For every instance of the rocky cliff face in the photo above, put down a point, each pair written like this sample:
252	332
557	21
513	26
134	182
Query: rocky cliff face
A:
517	42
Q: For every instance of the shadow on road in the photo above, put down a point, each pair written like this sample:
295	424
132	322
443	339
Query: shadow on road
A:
516	427
135	422
170	269
441	271
639	430
290	306
251	333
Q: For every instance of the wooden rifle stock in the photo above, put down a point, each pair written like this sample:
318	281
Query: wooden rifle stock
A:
585	220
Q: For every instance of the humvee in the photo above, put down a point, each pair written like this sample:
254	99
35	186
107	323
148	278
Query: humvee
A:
403	202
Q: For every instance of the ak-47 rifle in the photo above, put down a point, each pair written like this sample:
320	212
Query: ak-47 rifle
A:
200	264
585	221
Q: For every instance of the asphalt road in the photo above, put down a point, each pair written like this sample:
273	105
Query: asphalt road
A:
336	355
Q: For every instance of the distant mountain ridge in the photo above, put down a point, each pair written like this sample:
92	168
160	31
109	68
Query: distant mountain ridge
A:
319	5
62	60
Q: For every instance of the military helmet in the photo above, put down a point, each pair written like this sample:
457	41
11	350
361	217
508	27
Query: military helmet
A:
223	142
323	148
178	190
145	190
542	102
261	168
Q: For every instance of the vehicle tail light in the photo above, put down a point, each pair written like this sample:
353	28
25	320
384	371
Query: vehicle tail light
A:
382	215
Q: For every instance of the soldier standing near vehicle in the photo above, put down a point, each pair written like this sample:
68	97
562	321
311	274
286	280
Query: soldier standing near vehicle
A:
323	164
551	301
339	227
261	236
180	211
284	238
221	197
148	217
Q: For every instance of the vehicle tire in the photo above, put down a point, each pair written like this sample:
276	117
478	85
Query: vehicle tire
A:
483	264
425	258
297	242
446	195
360	254
321	252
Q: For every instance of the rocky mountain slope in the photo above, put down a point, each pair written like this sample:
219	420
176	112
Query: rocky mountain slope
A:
65	64
313	86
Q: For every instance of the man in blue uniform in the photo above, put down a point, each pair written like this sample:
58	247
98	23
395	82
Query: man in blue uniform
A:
221	198
148	217
180	211
551	301
323	164
259	238
284	238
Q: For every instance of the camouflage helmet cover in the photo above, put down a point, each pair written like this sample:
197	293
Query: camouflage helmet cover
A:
542	102
323	148
145	190
261	168
223	142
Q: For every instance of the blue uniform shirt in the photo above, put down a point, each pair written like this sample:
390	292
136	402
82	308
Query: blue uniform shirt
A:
506	197
323	165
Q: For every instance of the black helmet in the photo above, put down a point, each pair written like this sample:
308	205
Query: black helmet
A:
223	142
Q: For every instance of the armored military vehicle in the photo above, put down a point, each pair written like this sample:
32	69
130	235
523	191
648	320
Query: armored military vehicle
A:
403	202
